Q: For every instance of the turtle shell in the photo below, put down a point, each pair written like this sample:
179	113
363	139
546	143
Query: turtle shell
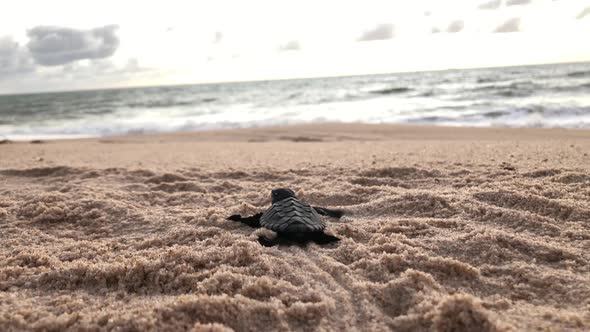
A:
291	216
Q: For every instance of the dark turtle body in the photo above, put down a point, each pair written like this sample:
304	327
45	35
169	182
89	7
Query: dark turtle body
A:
290	215
292	220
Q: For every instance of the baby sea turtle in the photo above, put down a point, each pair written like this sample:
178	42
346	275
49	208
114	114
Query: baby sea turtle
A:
292	220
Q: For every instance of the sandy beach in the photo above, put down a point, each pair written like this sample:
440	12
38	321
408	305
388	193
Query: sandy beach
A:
446	229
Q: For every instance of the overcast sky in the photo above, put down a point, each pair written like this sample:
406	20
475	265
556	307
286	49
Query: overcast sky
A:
69	45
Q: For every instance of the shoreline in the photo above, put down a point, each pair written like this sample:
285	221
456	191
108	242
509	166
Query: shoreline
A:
184	148
387	130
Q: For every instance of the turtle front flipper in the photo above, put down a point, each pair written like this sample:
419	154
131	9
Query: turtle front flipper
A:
252	221
329	212
263	240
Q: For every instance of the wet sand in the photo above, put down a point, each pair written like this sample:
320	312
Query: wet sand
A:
447	229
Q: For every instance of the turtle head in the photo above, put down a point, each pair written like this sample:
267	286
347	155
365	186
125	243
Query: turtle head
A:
280	194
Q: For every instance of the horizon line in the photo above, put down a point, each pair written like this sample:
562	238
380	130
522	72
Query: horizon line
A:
283	79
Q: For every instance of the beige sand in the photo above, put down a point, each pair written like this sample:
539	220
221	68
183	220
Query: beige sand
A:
448	229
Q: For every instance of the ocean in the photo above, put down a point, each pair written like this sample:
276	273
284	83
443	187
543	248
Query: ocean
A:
528	96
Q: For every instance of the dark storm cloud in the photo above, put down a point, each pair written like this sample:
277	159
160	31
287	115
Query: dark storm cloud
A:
583	13
52	46
379	32
14	59
293	45
512	25
493	4
455	26
517	2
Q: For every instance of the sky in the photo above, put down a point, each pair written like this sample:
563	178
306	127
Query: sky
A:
70	45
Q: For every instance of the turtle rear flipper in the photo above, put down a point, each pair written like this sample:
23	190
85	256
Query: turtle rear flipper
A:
263	240
252	221
298	238
323	238
329	212
318	237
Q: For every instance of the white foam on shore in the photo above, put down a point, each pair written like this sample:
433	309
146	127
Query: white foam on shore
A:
535	97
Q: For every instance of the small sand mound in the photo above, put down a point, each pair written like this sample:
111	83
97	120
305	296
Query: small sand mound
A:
271	176
462	312
242	314
376	182
264	288
301	139
450	268
319	198
215	327
400	173
142	173
399	296
517	220
409	228
179	186
31	259
167	178
43	171
59	208
225	187
181	237
235	175
417	205
572	177
542	173
534	204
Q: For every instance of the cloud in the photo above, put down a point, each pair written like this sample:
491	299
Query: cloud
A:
512	25
517	2
379	32
14	59
218	37
493	4
88	74
455	26
52	46
99	68
583	13
292	45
